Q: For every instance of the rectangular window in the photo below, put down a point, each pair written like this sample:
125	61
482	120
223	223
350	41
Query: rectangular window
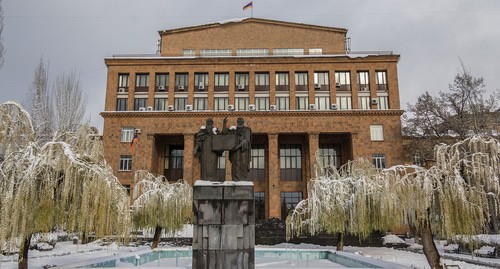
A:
321	78
174	162
381	81
200	103
257	163
289	201
315	51
329	155
221	79
283	103
241	79
378	160
252	52
290	162
121	104
188	52
220	103
125	163
161	82
363	81
301	79
180	103
123	81
288	51
364	102
282	79
261	79
322	102
127	134
241	103
181	79
201	79
382	102
377	132
344	102
161	104
215	52
343	80
260	206
140	103
141	82
262	103
302	103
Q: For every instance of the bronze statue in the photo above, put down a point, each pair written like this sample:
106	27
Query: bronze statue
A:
240	155
203	150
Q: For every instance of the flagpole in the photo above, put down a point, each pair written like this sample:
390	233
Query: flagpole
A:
251	13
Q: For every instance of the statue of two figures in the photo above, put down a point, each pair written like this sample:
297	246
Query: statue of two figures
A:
210	143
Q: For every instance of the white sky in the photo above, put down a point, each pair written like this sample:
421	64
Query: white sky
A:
429	35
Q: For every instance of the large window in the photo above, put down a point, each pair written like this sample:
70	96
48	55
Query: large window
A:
289	201
257	163
221	82
125	163
343	80
161	104
262	103
180	103
302	103
377	132
201	81
301	81
363	81
364	102
322	80
282	82
290	162
141	82
378	160
283	103
161	82
200	103
344	102
261	81
381	80
241	103
382	102
329	155
127	134
121	104
181	81
252	52
123	82
215	52
140	103
260	205
288	51
241	81
220	103
322	102
174	162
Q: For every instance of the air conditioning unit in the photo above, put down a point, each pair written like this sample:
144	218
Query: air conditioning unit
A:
374	101
201	87
189	107
149	108
138	131
317	86
337	84
241	87
142	109
180	87
273	107
230	107
161	88
333	106
122	90
312	106
171	108
364	88
251	107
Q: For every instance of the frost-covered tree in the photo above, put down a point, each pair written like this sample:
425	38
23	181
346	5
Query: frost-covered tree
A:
70	102
159	205
460	195
63	184
2	49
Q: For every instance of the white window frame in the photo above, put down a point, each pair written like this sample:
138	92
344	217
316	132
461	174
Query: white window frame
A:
377	132
125	163
127	134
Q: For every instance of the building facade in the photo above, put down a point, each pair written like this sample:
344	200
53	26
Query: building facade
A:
298	87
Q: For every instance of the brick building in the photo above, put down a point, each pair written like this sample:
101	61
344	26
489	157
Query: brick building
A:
297	86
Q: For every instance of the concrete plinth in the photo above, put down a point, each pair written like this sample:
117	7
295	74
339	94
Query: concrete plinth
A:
224	225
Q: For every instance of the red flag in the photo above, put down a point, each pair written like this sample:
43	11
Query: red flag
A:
135	139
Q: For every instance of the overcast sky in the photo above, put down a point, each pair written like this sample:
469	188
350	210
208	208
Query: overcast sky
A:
429	35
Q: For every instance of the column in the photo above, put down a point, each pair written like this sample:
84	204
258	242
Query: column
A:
273	200
191	165
354	89
313	150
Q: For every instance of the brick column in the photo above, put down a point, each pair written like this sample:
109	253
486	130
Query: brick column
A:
274	177
191	165
313	150
151	89
354	89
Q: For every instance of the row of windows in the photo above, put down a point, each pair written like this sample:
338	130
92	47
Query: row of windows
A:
250	52
241	80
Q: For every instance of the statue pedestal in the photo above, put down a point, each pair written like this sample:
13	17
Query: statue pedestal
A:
224	225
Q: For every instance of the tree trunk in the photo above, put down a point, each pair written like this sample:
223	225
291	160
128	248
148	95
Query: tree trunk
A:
156	237
22	263
431	253
84	238
340	242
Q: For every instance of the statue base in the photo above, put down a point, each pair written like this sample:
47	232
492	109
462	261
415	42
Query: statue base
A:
224	225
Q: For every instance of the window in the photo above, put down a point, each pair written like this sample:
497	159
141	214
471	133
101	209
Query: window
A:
161	104
127	187
142	80
344	102
261	81
382	102
321	78
257	163
301	79
140	103
215	52
289	201
417	159
121	104
123	81
288	51
378	160
364	102
241	79
188	52
221	167
161	82
381	80
125	163
200	79
180	103
127	134
252	52
283	103
329	155
343	80
282	79
322	102
241	103
221	79
221	103
363	81
181	79
315	51
174	162
262	103
302	103
260	205
290	162
377	132
200	103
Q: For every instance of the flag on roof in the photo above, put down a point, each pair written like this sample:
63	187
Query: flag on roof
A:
249	5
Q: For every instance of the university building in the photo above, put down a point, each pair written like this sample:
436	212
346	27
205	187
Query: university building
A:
299	88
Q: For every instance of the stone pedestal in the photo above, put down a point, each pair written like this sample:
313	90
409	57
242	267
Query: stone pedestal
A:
224	225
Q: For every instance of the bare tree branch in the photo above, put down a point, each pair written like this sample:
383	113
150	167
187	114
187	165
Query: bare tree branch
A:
2	49
70	102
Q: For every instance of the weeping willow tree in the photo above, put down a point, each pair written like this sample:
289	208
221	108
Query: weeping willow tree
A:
458	196
159	205
63	184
